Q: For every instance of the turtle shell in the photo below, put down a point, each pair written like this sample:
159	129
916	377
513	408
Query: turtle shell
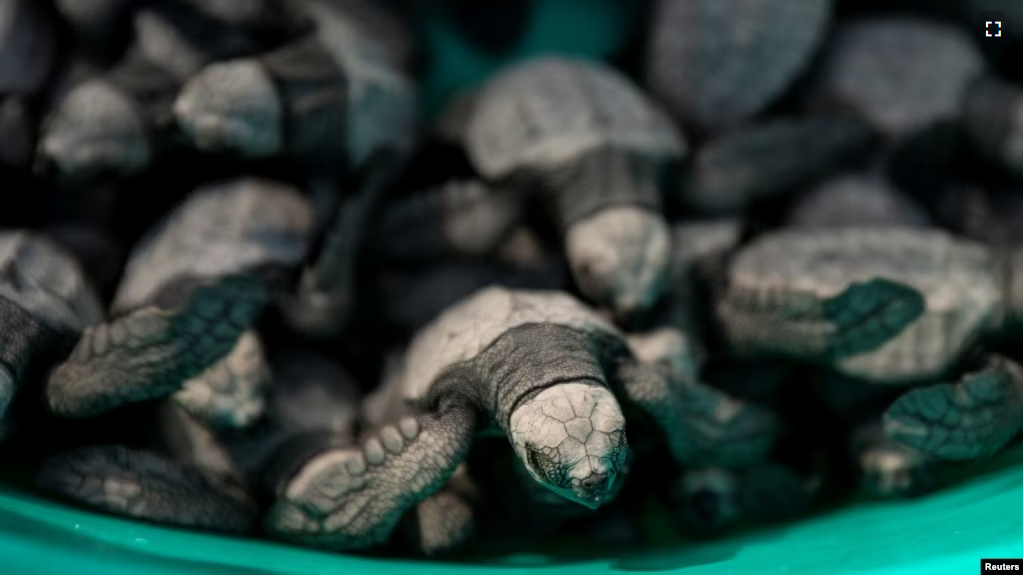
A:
466	329
552	110
381	99
717	63
46	281
958	279
222	228
900	95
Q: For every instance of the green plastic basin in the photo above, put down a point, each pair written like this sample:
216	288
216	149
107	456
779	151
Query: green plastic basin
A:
945	533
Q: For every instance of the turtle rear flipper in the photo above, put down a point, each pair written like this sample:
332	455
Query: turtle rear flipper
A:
151	352
345	499
973	418
232	393
146	486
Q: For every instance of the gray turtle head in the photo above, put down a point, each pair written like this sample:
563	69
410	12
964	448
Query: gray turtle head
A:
95	131
231	107
620	258
572	440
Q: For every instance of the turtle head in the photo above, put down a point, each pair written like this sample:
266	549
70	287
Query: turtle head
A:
95	133
572	440
231	107
620	258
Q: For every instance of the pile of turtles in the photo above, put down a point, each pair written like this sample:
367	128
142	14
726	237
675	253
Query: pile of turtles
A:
767	253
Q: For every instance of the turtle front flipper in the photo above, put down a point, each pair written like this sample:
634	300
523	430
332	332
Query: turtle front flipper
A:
145	486
971	419
701	425
231	394
151	352
354	498
858	320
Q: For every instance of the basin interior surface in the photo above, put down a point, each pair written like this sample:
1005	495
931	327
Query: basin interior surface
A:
948	532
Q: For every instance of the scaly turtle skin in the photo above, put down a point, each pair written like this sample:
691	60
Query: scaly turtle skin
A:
211	479
189	292
45	303
702	50
878	333
600	150
537	367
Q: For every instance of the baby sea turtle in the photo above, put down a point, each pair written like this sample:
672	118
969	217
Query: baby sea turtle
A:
333	96
601	151
109	126
538	367
732	172
702	50
45	303
189	292
198	477
897	97
889	307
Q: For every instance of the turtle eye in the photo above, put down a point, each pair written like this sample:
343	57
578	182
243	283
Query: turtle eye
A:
545	467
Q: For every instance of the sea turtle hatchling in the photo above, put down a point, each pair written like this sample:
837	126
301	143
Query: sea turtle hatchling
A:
45	303
199	477
600	151
538	367
333	96
190	290
892	307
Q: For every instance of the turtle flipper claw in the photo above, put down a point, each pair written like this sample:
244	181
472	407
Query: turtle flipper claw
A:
868	314
971	419
151	352
354	498
145	486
